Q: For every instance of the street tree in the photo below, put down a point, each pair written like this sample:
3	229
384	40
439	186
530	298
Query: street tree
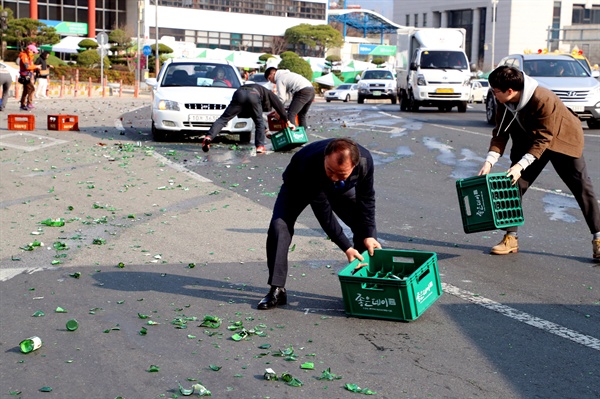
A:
120	40
319	38
25	31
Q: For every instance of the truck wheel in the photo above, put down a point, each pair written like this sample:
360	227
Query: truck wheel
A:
403	102
490	110
462	107
593	123
361	100
414	104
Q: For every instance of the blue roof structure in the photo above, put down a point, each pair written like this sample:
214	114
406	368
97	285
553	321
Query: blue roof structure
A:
366	21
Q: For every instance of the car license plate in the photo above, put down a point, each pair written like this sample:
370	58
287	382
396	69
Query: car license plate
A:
376	93
202	118
444	90
576	108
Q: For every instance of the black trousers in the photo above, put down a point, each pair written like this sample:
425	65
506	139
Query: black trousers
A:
573	173
245	103
301	102
288	206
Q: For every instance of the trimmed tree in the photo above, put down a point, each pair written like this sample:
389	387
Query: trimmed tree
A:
291	61
312	36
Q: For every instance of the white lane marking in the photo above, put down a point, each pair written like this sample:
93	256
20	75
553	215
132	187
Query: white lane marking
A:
180	168
7	274
119	125
545	325
43	140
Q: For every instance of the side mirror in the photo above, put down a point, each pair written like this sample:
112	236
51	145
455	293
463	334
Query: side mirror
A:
595	74
413	66
357	78
152	82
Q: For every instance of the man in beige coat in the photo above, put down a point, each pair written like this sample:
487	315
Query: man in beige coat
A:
542	130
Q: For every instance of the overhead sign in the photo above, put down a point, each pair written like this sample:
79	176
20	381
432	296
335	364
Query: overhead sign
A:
375	49
67	28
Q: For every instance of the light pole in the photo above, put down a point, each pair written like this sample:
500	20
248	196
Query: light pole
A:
156	63
139	28
494	5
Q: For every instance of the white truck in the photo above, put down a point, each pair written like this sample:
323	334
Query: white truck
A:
432	69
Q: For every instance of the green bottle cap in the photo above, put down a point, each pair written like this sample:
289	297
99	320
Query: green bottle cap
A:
72	325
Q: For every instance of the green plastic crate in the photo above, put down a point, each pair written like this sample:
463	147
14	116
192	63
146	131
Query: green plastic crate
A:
396	285
489	202
287	138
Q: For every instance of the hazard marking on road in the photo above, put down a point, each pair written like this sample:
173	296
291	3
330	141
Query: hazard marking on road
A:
44	141
545	325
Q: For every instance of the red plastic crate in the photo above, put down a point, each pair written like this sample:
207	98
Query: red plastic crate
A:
21	122
63	122
276	124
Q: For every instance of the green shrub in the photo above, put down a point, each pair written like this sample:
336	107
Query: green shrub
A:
88	44
291	61
91	58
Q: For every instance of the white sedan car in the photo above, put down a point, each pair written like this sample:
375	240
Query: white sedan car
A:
345	93
479	89
14	73
190	94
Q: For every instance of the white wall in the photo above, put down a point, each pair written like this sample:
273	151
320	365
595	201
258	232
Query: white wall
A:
215	21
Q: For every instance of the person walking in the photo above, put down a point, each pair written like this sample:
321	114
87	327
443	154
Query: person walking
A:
301	89
6	81
27	69
332	176
249	101
43	74
542	130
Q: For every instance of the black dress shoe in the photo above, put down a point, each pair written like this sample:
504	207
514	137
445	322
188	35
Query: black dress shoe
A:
275	297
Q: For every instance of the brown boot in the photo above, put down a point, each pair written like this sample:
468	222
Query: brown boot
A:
596	244
507	245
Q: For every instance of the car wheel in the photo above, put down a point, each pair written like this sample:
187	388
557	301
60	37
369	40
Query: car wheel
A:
157	134
593	123
328	100
490	110
462	107
361	100
347	98
394	100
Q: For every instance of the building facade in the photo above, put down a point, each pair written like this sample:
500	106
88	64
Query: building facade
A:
518	26
226	24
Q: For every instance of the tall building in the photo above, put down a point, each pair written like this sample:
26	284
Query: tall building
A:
518	26
227	24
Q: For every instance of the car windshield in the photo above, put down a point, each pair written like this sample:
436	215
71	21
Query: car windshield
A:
444	60
554	68
200	75
385	75
343	87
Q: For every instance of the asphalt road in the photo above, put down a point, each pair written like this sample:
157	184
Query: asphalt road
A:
519	326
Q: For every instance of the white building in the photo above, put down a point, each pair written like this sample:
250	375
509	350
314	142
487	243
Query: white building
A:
520	25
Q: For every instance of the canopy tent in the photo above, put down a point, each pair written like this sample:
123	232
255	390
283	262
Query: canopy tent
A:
329	80
366	21
69	45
